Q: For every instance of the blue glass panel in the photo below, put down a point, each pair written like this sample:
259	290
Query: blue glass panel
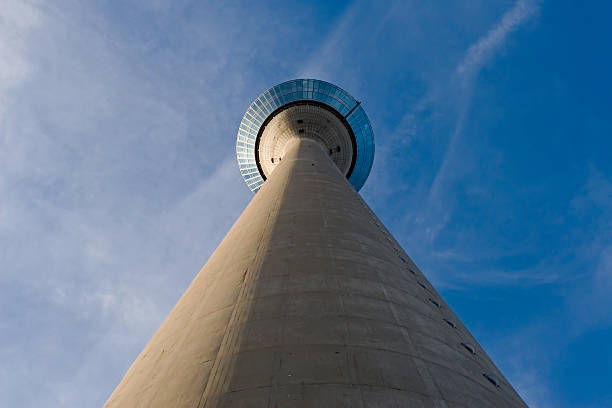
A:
304	89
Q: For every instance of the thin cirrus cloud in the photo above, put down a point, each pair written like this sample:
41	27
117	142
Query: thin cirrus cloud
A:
484	48
452	95
96	185
118	176
17	23
118	179
475	58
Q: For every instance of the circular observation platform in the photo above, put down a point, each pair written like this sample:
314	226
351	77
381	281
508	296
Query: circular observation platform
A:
305	108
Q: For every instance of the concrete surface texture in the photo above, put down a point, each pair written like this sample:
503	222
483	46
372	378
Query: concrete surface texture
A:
310	302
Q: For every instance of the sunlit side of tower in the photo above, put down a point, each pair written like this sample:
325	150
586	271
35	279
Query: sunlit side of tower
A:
309	301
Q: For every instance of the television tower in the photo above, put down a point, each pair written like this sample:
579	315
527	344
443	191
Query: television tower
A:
309	301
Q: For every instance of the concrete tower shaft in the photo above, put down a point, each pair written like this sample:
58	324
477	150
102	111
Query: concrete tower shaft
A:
310	302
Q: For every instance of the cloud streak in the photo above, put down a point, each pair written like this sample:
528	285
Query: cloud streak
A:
483	49
118	176
319	62
17	20
459	89
110	189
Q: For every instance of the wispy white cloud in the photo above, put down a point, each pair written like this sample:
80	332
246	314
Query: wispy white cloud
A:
319	62
453	95
595	284
117	176
17	20
527	354
485	47
476	56
110	177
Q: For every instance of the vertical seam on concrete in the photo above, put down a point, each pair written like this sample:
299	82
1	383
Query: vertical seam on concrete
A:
219	371
276	375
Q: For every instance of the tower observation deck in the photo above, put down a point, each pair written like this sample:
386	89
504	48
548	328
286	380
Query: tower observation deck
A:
310	109
309	301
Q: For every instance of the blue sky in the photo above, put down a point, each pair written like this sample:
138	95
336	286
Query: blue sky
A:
493	168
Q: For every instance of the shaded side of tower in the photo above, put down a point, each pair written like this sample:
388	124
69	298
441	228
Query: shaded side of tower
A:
309	301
